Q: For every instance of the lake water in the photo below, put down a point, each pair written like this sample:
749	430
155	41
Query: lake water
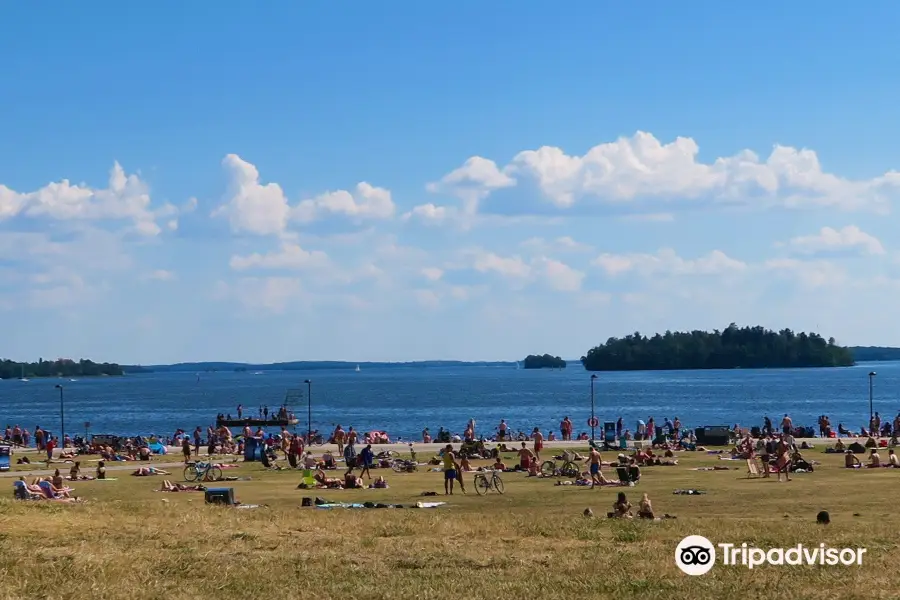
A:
402	401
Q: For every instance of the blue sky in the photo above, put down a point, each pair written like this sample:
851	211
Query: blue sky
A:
422	180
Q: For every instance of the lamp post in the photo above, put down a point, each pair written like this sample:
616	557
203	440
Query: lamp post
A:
308	411
871	408
62	416
593	378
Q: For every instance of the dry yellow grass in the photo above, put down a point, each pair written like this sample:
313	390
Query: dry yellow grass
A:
126	542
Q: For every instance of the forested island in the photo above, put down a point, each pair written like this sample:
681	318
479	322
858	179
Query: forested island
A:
874	353
62	367
732	348
537	361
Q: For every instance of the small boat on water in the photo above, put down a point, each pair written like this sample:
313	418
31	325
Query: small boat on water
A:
23	378
357	368
258	373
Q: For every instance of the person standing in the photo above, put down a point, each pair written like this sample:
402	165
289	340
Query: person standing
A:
449	469
338	436
596	476
538	438
786	424
367	457
349	457
240	411
197	435
501	430
50	446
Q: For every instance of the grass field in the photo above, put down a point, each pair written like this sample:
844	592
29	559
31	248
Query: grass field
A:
128	541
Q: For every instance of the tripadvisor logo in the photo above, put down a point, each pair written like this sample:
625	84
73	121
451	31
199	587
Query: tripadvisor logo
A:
696	555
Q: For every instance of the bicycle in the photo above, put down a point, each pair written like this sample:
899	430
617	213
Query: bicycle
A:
401	465
486	480
569	469
202	471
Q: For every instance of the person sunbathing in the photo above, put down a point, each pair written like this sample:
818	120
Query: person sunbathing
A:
498	465
874	460
101	470
168	486
621	507
325	481
147	471
352	482
33	487
464	464
645	509
379	483
892	459
58	492
850	461
75	471
839	446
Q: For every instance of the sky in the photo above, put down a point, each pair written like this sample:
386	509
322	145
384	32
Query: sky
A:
467	180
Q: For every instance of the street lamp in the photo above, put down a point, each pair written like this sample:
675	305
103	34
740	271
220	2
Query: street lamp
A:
593	418
871	409
308	411
62	417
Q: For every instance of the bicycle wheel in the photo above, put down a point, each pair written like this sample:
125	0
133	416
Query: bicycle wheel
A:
214	474
498	483
318	441
548	468
398	466
190	474
482	485
570	469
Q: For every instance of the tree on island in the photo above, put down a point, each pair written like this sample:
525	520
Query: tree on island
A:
536	361
62	367
734	347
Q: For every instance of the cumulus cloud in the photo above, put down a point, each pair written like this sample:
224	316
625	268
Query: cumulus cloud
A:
472	182
552	273
641	167
288	257
126	198
850	237
264	209
666	261
561	244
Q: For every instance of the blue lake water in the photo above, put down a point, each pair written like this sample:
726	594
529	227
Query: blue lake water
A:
402	401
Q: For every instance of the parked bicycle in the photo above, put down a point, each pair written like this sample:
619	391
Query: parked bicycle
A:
485	480
567	469
202	471
402	465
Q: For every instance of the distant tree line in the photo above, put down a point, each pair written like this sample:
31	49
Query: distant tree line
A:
536	361
63	367
874	353
734	347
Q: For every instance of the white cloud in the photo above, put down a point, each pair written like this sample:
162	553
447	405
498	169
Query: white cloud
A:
289	256
811	274
659	217
850	237
560	276
552	273
560	244
431	214
126	198
264	209
366	202
472	182
432	273
666	261
160	275
641	167
251	206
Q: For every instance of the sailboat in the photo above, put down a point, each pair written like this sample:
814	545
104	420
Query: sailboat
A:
357	368
23	378
517	365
